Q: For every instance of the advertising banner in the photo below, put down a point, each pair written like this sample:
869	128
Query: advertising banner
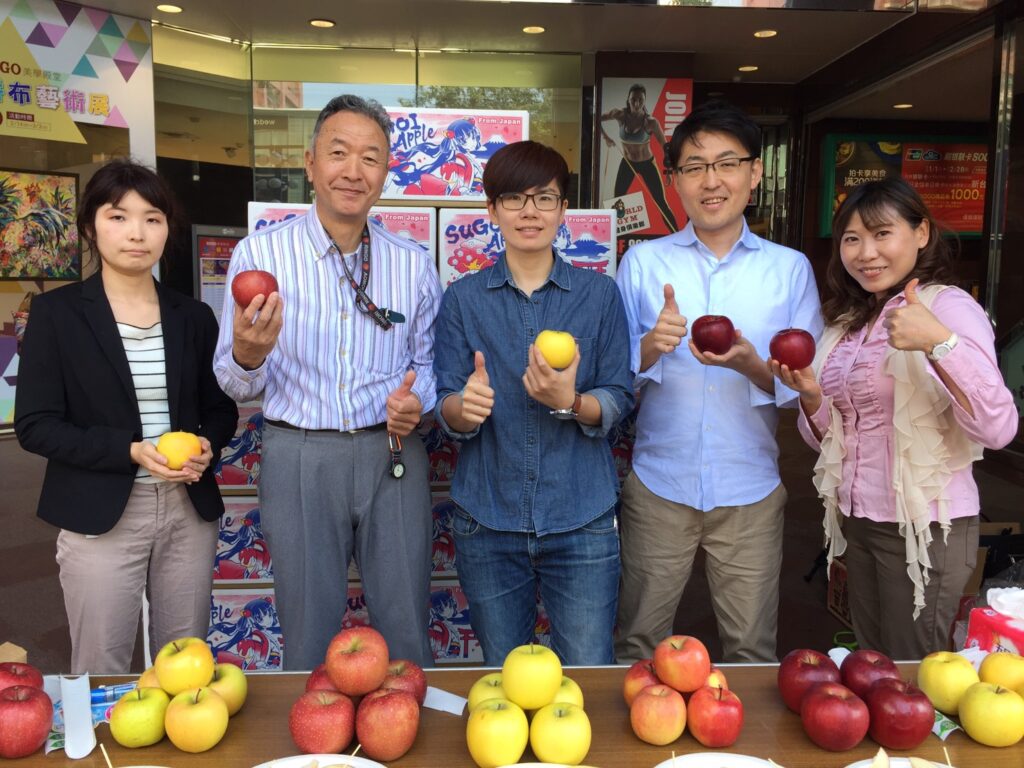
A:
245	630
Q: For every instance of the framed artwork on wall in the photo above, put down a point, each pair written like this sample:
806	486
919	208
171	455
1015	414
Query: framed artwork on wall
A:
38	235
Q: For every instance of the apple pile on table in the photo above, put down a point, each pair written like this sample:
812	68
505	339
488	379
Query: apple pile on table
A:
529	701
26	712
677	688
185	695
359	691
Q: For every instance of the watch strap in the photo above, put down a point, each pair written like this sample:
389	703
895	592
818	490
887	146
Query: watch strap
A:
943	348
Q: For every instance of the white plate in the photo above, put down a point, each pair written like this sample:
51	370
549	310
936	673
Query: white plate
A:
320	761
713	760
894	762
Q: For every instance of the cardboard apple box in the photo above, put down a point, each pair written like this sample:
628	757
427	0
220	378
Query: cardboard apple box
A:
12	652
992	631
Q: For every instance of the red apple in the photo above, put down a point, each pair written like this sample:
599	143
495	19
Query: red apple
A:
800	670
249	284
357	660
862	668
716	678
322	722
386	724
901	714
658	715
792	347
715	716
682	662
638	677
833	717
713	333
404	675
318	680
16	673
26	714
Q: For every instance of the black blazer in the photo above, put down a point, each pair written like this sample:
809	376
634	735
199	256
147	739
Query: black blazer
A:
75	402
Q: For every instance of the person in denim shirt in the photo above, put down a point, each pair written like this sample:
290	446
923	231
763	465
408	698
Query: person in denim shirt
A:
535	487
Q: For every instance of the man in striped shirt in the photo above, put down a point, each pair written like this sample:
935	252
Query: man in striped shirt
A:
342	356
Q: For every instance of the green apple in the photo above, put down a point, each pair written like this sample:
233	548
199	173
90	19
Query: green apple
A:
944	676
496	733
196	720
992	715
560	733
487	687
137	719
184	664
230	683
569	692
531	676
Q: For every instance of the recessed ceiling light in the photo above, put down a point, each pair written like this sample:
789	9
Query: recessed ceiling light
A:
533	30
903	105
765	33
322	23
747	68
169	8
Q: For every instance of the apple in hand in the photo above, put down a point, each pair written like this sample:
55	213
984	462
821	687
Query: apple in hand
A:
560	733
944	676
682	662
249	284
792	347
184	664
386	723
196	720
487	687
26	714
531	675
230	683
357	660
658	715
322	722
1002	668
496	733
715	716
713	333
638	677
801	669
557	347
16	673
862	668
318	680
834	717
404	675
178	448
901	715
137	719
992	715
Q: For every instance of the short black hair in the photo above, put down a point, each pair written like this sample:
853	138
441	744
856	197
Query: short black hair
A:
523	165
715	116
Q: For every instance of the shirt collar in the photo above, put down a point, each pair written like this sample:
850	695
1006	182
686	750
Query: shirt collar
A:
499	274
322	244
688	237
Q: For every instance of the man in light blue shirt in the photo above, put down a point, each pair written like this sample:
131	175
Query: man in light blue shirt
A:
705	468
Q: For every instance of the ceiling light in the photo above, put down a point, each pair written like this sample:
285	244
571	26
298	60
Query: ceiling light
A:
747	68
903	105
169	8
322	23
533	30
765	33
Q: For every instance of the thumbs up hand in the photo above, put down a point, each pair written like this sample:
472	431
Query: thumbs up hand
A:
404	408
667	334
477	395
913	326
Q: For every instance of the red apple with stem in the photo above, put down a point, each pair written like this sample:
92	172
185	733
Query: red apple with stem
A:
834	717
405	675
16	673
357	660
26	714
318	679
801	669
322	722
682	662
862	668
658	715
640	675
713	333
715	716
792	347
901	714
251	283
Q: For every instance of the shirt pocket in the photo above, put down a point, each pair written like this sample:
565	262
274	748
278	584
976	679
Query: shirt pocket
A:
389	353
586	374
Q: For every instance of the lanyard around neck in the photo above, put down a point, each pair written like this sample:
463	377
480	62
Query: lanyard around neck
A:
363	302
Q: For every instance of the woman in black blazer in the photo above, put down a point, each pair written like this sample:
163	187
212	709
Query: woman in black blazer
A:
108	365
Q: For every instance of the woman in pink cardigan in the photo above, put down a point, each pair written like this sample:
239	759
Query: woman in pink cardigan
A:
903	395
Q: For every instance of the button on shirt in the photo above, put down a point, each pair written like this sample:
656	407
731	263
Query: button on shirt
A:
705	435
522	469
332	366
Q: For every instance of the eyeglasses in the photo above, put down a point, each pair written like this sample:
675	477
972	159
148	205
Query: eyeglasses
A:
542	201
725	168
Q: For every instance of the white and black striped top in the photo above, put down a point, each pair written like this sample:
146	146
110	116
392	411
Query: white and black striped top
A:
145	350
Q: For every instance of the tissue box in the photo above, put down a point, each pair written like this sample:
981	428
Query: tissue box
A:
12	652
990	631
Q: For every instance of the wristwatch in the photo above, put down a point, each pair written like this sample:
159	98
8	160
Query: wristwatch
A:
942	349
569	413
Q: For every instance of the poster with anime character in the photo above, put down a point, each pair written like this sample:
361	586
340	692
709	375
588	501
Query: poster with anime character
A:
439	154
442	454
443	541
242	552
238	468
468	241
245	630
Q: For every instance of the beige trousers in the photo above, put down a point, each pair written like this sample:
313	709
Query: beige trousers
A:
159	545
743	557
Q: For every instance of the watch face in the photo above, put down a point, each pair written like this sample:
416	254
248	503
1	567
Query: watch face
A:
398	470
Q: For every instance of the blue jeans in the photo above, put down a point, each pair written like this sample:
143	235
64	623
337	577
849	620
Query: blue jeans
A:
576	574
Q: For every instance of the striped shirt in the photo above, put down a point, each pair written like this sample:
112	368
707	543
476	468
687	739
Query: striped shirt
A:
332	366
144	348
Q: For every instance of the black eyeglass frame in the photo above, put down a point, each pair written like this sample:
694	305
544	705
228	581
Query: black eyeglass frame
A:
681	170
503	199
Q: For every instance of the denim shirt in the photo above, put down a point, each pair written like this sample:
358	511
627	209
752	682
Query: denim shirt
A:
523	470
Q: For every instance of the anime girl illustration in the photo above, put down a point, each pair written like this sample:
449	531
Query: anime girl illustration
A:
252	641
242	552
451	636
449	168
240	460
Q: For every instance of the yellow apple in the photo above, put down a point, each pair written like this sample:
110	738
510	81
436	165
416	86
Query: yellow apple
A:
1003	668
229	682
944	676
137	719
569	692
184	664
560	733
487	687
496	733
557	347
149	679
178	447
992	715
196	720
531	676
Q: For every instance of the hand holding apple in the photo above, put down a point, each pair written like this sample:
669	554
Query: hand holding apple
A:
255	329
496	733
557	347
26	714
184	664
251	283
196	720
477	395
178	448
555	389
16	673
322	722
713	333
793	348
137	719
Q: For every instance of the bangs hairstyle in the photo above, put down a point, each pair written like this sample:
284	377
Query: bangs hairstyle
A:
523	165
715	116
882	203
115	180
